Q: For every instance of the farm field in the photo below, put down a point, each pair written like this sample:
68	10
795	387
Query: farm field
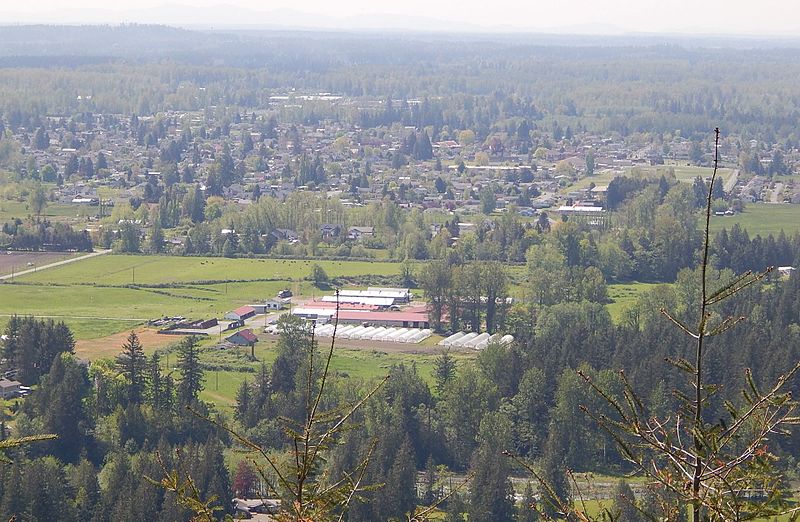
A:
12	208
360	364
13	262
108	294
762	218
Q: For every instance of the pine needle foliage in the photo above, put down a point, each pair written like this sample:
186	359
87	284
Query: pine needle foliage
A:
301	478
721	470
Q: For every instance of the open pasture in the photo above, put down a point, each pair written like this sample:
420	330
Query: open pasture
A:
126	269
762	219
221	386
623	296
113	293
683	173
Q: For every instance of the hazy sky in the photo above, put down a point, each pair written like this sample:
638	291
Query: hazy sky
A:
762	17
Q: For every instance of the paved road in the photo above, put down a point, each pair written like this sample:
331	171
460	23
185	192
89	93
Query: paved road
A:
57	263
731	181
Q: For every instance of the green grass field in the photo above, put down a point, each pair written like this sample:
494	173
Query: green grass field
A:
762	218
623	296
12	208
360	364
682	173
97	297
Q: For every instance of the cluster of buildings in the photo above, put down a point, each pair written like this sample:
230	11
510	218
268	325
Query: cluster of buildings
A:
375	307
530	173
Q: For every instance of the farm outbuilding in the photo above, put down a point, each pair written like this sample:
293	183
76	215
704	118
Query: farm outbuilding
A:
243	338
241	313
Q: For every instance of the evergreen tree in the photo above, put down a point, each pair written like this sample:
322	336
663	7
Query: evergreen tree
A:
243	403
527	511
624	507
491	493
86	491
444	369
41	139
191	383
400	495
132	365
59	402
553	472
156	388
156	236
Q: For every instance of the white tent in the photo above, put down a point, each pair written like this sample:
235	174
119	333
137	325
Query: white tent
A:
420	336
462	341
366	332
408	334
472	343
397	333
449	340
486	342
387	334
376	333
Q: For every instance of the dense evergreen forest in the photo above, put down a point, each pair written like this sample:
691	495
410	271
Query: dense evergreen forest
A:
622	86
120	421
124	425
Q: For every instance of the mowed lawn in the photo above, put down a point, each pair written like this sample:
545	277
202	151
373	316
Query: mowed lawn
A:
762	219
92	297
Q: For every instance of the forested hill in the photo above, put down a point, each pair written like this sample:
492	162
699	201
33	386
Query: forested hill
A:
627	85
139	41
142	41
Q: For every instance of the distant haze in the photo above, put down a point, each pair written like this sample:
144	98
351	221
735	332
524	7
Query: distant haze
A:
768	18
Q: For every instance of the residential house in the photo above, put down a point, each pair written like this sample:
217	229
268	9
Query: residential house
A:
329	230
357	233
267	306
284	234
9	389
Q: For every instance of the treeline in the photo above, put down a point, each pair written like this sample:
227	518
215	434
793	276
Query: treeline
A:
117	423
30	346
524	398
656	88
527	398
43	236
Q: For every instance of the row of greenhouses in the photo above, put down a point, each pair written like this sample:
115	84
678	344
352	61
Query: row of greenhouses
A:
374	333
477	341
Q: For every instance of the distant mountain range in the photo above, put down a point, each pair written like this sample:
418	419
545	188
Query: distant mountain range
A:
232	16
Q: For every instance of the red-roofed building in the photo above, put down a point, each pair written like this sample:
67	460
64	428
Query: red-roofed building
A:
241	313
397	319
243	338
